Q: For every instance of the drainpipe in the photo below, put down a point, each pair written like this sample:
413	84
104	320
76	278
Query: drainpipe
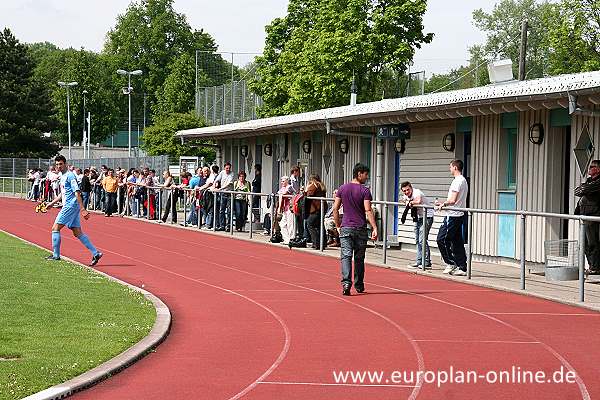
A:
353	92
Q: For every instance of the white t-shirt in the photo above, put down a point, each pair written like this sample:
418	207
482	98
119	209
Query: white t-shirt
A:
424	200
460	186
225	180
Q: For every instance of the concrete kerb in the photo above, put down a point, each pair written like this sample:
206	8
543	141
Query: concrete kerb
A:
157	334
399	268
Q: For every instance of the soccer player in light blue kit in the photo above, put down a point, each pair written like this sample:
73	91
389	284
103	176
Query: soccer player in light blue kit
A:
69	214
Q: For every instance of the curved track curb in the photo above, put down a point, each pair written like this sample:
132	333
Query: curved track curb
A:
159	332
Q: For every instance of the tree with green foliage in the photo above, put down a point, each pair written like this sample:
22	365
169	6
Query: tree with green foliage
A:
312	54
160	139
25	108
153	37
94	73
503	28
574	37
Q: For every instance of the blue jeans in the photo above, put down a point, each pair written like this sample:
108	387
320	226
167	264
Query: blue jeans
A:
193	217
241	213
86	199
353	245
224	211
451	244
419	241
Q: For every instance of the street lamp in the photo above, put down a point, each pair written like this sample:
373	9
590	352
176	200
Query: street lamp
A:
85	139
128	93
67	85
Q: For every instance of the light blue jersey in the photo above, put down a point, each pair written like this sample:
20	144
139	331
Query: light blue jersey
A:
69	214
68	185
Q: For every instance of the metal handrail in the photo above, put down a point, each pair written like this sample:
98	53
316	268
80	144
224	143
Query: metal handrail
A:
523	214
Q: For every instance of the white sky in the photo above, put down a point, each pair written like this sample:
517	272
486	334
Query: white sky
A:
237	25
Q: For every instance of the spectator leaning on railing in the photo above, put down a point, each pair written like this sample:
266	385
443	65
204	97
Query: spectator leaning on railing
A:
589	204
86	188
287	219
170	202
414	196
315	188
450	236
224	181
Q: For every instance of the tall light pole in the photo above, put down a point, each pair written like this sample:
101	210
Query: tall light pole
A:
67	85
128	93
85	139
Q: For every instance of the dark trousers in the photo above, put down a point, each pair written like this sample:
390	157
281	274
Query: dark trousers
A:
171	202
592	244
299	225
450	242
241	213
224	211
353	245
315	225
111	202
85	197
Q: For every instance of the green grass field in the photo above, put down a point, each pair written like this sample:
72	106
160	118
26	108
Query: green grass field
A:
58	320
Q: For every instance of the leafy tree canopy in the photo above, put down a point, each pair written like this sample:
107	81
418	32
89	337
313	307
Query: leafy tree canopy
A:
25	109
312	54
159	139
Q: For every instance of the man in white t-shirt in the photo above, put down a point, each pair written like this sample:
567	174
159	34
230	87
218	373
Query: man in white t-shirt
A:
414	196
450	236
225	182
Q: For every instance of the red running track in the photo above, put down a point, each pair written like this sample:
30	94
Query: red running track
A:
258	322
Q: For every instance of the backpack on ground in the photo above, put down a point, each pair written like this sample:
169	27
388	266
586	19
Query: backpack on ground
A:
277	237
298	243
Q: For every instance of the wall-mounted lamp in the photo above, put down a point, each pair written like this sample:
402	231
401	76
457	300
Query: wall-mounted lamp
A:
244	151
449	142
400	145
344	146
536	133
307	146
268	150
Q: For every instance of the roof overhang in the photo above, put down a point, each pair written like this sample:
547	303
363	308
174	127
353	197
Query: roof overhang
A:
545	93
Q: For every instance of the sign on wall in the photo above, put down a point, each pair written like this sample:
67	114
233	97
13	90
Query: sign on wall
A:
401	131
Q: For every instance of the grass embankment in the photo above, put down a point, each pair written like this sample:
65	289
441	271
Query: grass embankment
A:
58	320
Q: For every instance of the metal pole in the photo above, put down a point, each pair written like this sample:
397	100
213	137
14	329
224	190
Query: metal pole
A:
119	200
89	134
160	201
13	175
523	51
69	120
197	102
581	261
470	236
148	203
385	233
273	216
214	221
423	239
129	100
251	214
523	247
321	230
198	211
231	205
173	204
185	210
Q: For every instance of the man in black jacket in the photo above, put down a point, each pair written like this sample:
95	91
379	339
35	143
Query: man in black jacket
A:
589	204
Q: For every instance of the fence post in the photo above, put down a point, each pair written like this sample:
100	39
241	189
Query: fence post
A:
148	203
251	197
581	261
199	210
13	175
231	205
160	202
173	205
523	247
385	232
214	220
273	216
185	213
424	239
470	239
119	200
321	227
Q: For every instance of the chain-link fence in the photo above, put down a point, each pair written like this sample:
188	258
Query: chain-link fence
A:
19	167
224	104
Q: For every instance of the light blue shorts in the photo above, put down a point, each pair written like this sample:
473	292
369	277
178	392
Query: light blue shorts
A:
69	217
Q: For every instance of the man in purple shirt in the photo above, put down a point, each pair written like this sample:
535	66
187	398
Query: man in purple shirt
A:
356	200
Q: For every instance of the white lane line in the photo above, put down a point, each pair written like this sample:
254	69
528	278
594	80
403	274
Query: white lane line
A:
334	384
545	314
479	341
